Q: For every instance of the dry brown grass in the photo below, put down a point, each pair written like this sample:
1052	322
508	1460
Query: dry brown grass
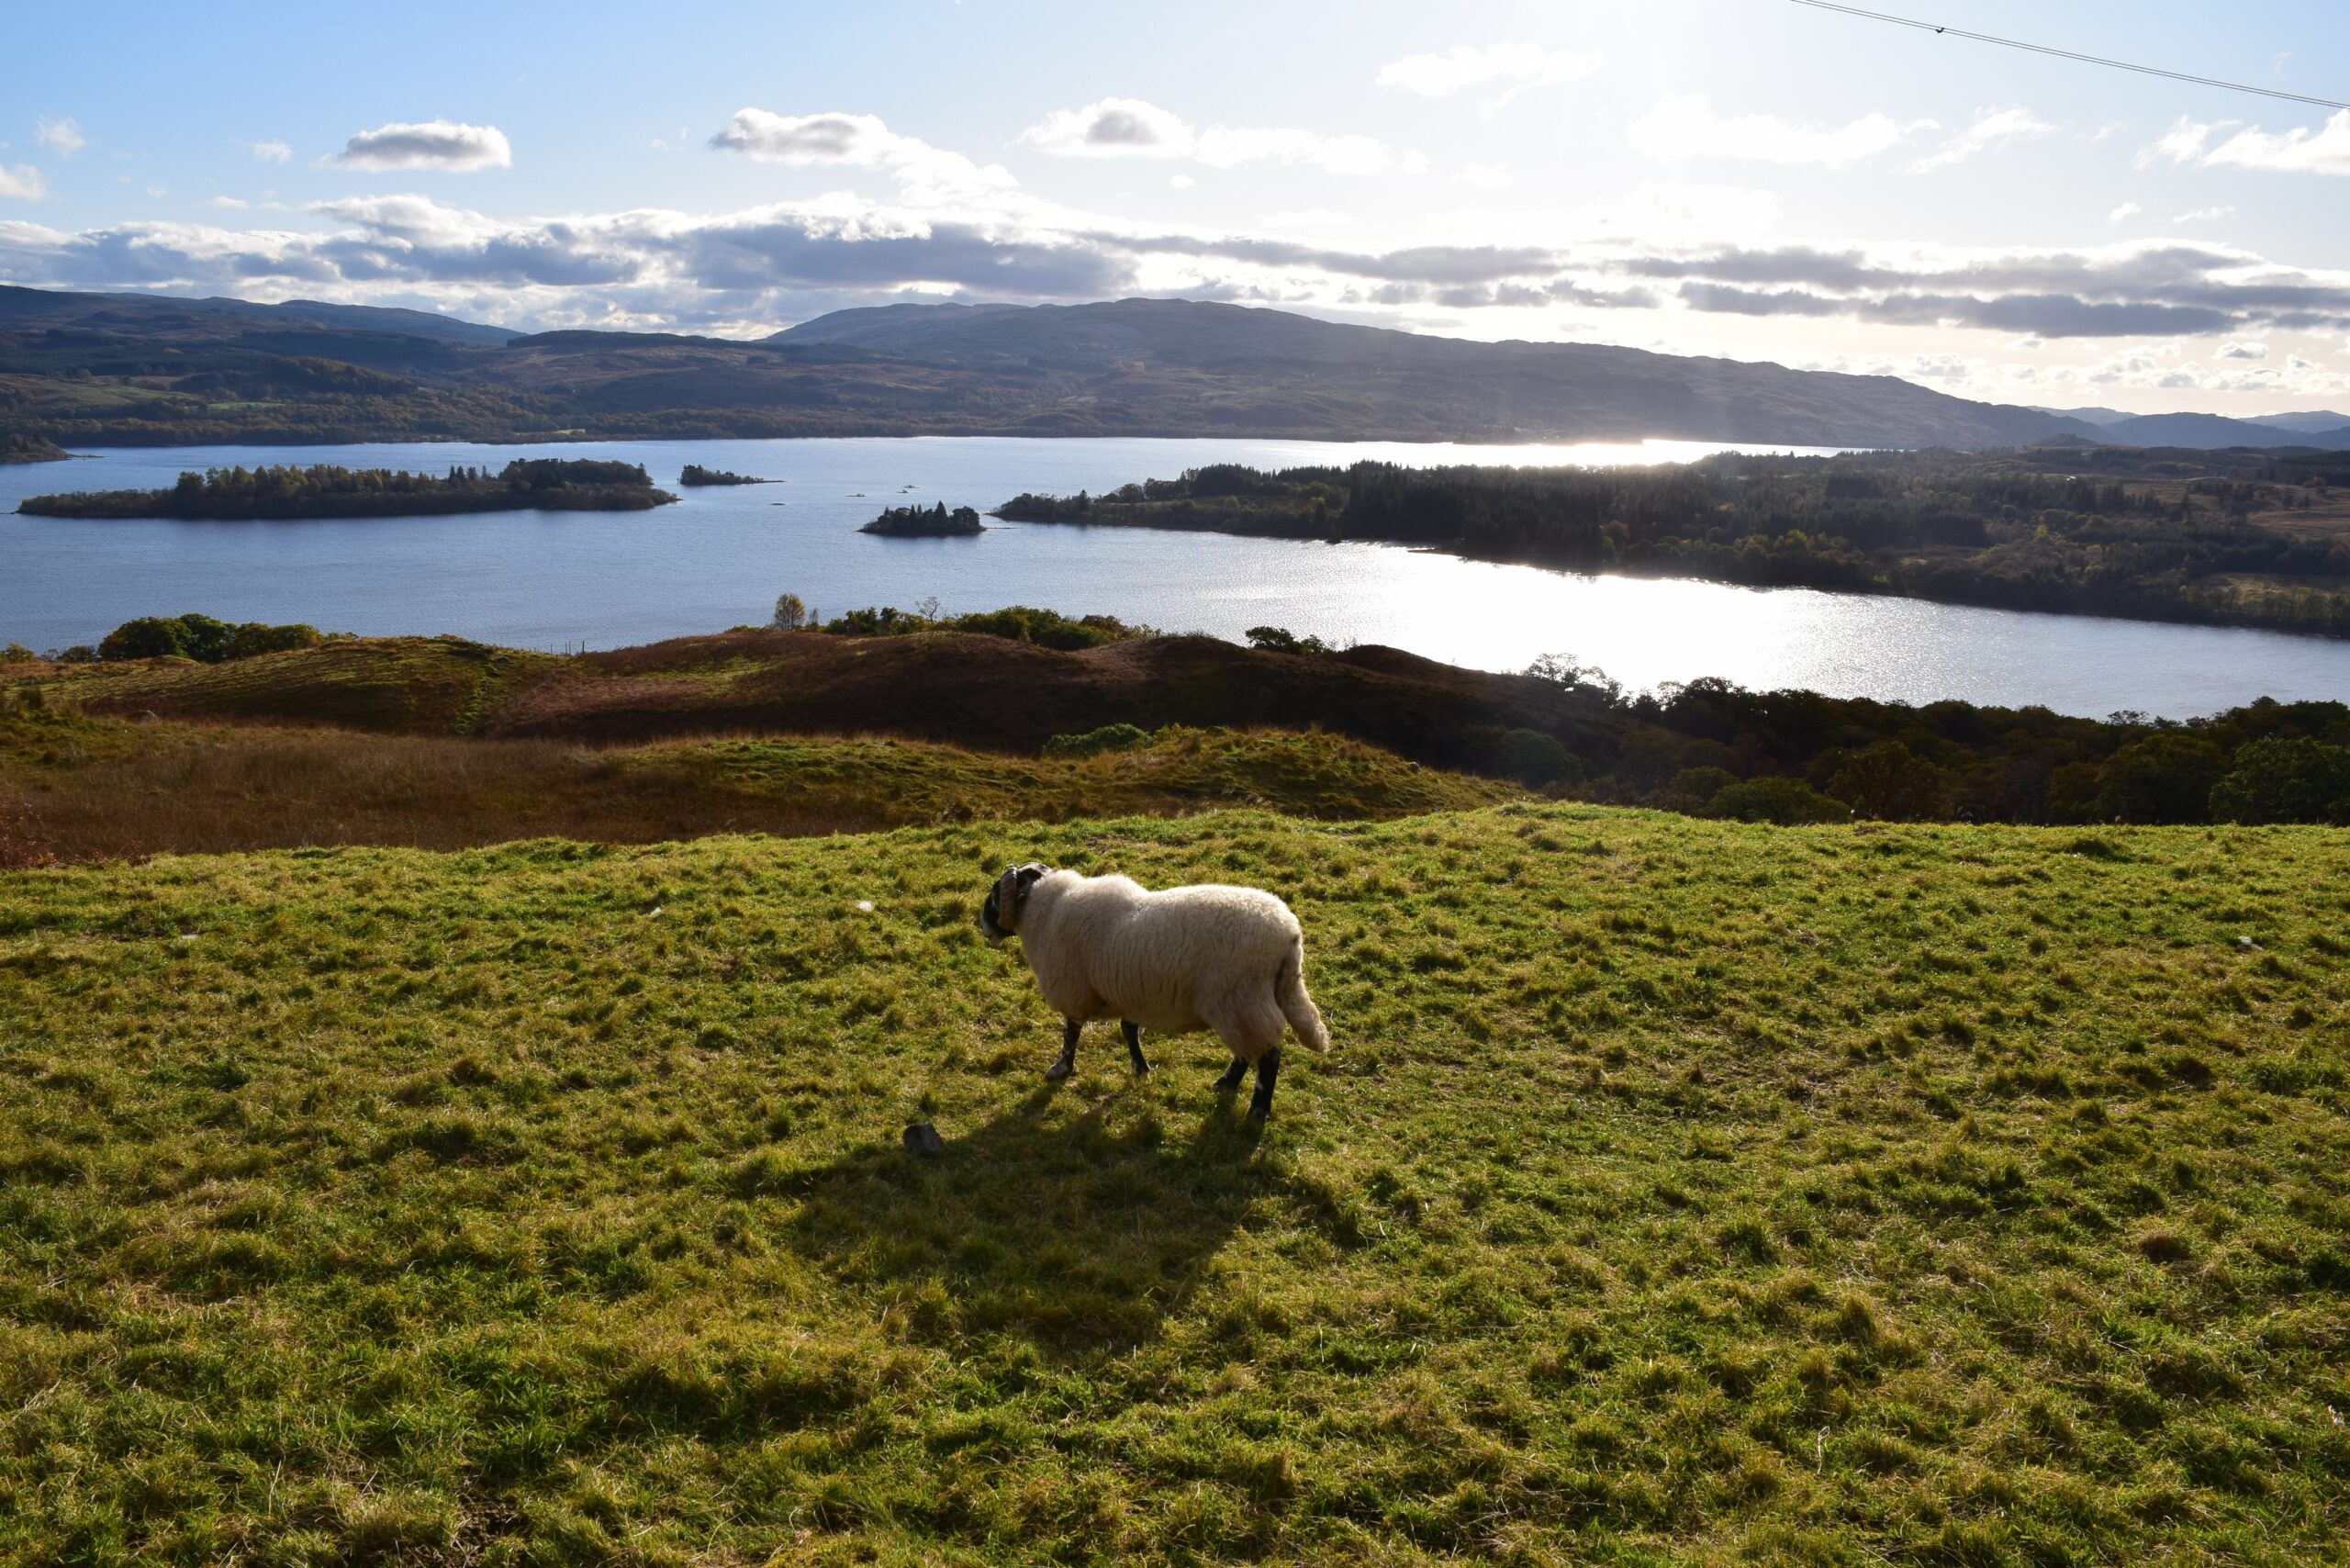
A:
78	788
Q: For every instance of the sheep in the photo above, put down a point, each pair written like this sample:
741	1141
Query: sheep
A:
1230	959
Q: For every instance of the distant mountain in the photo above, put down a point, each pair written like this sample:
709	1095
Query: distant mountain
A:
2089	416
170	317
2198	429
135	368
1171	365
2320	420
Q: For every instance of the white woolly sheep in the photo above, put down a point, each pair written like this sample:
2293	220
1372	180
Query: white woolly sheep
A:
1229	959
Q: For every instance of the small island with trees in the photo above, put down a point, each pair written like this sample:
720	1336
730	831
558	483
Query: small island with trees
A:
527	484
695	475
926	523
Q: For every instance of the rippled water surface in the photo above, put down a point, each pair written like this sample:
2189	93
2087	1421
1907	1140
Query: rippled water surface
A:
719	558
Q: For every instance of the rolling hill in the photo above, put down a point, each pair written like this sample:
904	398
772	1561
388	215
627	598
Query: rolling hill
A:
142	369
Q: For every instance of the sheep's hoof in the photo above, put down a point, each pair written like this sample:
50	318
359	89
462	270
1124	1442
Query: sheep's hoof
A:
1059	1070
1259	1115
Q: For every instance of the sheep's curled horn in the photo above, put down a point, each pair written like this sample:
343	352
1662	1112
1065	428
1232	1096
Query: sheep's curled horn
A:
1018	881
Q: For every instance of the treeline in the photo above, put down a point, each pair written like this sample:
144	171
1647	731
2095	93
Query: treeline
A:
694	474
1712	748
2159	535
328	491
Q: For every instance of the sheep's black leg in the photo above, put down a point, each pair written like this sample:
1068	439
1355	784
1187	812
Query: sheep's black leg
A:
1068	1062
1269	1068
1134	1047
1232	1077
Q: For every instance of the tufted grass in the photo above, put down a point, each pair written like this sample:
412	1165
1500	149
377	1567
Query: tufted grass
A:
1679	1190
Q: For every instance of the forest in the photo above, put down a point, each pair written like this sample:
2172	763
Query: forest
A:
325	490
2227	538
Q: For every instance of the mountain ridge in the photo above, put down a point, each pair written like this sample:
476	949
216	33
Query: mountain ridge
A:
129	368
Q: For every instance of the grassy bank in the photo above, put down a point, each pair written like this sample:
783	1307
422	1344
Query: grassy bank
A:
77	787
1677	1190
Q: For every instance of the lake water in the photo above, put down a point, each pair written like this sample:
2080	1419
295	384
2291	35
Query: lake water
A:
719	558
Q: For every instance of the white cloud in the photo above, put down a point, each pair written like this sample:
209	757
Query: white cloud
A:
1182	182
21	182
429	144
1485	176
2299	150
1129	128
2204	214
1687	127
1993	129
158	192
60	136
2127	209
1463	66
271	151
230	202
2245	348
932	174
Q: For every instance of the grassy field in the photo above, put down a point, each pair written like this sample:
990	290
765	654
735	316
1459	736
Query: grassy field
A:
1678	1191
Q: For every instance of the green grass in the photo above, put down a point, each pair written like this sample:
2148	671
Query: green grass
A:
1678	1191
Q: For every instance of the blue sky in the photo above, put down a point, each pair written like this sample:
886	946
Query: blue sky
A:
1751	178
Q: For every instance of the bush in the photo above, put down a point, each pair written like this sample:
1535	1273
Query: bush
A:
1045	628
1532	757
2167	777
1281	640
202	638
2286	781
1109	737
1777	799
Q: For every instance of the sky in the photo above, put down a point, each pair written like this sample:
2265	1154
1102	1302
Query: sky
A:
1753	179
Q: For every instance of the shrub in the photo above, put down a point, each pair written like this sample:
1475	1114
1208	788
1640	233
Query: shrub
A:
2286	781
1109	737
1281	640
202	638
1532	757
2165	778
1045	628
1777	799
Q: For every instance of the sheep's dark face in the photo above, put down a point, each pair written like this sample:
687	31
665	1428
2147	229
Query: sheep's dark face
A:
1000	916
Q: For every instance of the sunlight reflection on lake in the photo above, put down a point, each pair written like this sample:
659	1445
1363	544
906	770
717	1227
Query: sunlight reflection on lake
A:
719	558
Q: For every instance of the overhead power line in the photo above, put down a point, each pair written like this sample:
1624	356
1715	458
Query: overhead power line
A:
2070	55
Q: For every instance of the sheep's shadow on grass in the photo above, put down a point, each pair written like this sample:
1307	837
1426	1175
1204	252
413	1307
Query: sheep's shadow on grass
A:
1081	1233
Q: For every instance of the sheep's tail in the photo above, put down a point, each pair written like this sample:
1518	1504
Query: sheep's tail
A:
1289	991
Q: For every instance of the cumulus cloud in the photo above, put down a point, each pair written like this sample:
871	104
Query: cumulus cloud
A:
2204	214
271	151
2299	150
1992	130
61	136
428	144
21	182
1519	66
860	142
1485	176
1687	127
1129	128
2127	209
2243	348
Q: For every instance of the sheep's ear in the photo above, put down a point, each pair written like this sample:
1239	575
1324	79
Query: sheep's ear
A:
1024	877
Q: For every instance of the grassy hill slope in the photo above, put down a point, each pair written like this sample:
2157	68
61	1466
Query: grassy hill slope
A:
1676	1189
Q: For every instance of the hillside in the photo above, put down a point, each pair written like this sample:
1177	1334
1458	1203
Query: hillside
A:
145	370
1708	747
1675	1190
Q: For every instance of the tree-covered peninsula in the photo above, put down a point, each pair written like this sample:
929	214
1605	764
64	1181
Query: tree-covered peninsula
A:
527	484
2227	538
925	522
